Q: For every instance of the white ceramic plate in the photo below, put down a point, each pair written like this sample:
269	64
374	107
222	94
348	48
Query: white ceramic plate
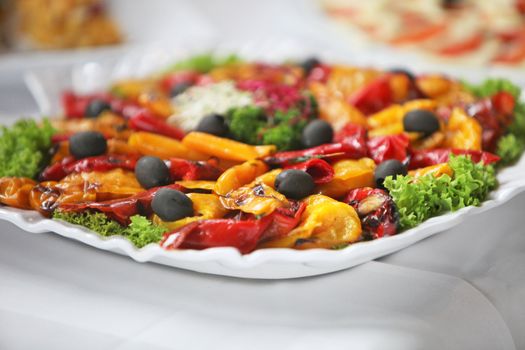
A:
269	263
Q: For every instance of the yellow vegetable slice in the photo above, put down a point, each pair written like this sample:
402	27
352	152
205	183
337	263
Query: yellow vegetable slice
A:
325	223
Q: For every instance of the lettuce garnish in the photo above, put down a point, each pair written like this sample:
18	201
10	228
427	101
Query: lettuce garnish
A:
24	148
428	196
204	63
140	231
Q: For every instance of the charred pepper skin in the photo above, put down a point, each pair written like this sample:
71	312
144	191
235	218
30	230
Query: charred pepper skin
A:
377	211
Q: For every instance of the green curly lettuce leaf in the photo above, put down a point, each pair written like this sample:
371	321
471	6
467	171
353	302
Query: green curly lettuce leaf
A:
140	231
203	63
430	196
511	146
24	147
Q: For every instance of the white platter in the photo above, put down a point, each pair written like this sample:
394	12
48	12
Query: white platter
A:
266	264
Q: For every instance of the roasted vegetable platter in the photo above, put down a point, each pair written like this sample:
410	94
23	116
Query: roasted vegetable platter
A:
240	167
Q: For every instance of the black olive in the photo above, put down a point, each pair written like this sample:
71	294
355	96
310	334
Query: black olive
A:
392	167
309	64
406	72
213	124
87	144
294	184
152	172
179	88
316	133
95	108
171	205
421	120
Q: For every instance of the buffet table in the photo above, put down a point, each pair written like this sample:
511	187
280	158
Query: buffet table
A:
463	288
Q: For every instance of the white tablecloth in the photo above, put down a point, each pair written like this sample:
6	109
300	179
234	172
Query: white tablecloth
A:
461	289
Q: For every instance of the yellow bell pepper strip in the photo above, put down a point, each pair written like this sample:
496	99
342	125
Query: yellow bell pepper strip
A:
14	191
48	195
324	223
158	103
197	185
239	175
334	109
349	174
389	121
436	170
463	131
205	206
256	199
163	147
82	187
225	148
431	142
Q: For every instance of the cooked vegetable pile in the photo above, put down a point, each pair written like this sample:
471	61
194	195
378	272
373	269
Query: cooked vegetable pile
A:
219	152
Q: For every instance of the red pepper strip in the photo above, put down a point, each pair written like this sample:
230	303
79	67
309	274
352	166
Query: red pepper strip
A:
182	169
351	131
68	165
284	220
353	148
421	159
387	147
373	97
241	234
56	138
319	169
121	209
144	120
74	106
57	171
170	80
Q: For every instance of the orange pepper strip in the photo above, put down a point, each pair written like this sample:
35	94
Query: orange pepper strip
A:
463	131
349	174
14	191
436	170
239	175
163	147
225	148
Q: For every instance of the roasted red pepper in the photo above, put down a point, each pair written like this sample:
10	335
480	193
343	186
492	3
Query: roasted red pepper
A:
494	114
121	209
243	234
354	148
374	96
182	169
421	159
320	170
144	120
351	132
69	165
172	79
284	220
387	147
74	106
377	211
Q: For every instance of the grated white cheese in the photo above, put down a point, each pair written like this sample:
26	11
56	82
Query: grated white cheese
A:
198	101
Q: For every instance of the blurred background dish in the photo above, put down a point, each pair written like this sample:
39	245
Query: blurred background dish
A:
58	24
456	31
